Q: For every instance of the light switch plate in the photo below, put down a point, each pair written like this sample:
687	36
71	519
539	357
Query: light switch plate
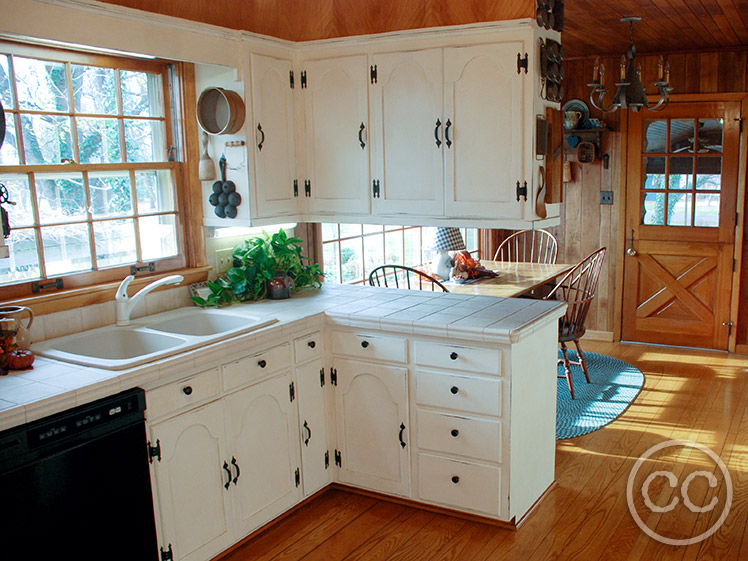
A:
606	197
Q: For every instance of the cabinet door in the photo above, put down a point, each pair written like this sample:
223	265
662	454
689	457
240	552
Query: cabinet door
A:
408	133
313	427
263	440
193	504
273	136
371	403
485	101
336	105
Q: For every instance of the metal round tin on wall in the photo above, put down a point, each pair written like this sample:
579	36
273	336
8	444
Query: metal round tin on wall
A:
220	111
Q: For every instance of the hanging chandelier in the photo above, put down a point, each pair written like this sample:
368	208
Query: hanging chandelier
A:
630	92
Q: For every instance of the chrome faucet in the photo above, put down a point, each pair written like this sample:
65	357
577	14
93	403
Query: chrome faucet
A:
125	305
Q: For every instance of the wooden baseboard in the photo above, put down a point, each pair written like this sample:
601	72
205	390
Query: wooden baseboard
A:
511	525
741	349
594	335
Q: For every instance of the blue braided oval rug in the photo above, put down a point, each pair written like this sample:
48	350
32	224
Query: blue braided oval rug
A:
614	384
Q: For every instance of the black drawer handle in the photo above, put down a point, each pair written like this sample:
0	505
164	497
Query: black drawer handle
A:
454	432
455	479
312	344
187	390
453	356
400	436
262	363
309	434
364	344
238	473
228	472
454	389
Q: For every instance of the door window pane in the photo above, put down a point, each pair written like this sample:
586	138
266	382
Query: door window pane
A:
94	90
98	141
373	252
42	84
682	132
654	172
655	136
710	136
115	242
46	139
66	249
681	173
351	260
653	209
679	209
332	268
709	173
707	210
61	197
393	247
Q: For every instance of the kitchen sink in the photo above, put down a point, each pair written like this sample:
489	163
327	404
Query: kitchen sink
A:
149	338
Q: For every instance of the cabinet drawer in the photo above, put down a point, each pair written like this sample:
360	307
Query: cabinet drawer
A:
459	484
173	397
466	436
308	347
363	345
256	366
454	357
456	391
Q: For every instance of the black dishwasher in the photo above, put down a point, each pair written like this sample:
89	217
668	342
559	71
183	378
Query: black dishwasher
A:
76	485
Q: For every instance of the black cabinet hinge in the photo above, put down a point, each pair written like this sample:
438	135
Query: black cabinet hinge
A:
295	187
373	74
338	459
154	451
333	376
375	188
522	191
297	477
307	188
303	79
167	555
290	78
291	391
322	377
327	459
522	62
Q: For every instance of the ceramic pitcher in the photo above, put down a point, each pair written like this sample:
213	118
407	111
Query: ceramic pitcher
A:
23	336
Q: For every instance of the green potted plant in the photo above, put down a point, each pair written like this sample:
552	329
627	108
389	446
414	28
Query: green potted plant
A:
259	262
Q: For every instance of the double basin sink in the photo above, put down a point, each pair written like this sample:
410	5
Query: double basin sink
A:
149	338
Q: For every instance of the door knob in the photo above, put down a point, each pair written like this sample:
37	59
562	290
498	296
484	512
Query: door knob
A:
631	252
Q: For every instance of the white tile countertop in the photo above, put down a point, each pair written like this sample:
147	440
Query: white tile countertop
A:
53	386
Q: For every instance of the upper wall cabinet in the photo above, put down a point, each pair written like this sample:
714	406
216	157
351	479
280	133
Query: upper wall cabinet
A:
336	133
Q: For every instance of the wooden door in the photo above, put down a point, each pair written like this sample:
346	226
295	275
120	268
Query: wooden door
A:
407	108
273	137
485	105
312	427
263	438
371	404
680	224
194	505
336	107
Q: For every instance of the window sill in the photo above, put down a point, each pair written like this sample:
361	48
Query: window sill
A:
99	293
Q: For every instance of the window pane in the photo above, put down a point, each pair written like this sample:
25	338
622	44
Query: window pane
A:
41	84
351	260
330	259
98	141
141	94
24	257
110	194
347	230
654	172
707	210
9	151
94	90
655	134
21	213
710	136
388	227
682	133
154	190
373	252
46	139
5	90
372	228
115	242
393	247
329	231
158	237
412	256
681	173
66	249
709	173
653	208
61	197
144	141
679	209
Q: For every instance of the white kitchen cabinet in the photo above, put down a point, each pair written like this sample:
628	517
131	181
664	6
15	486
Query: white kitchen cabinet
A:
193	500
313	426
485	98
407	114
272	136
371	404
335	93
261	426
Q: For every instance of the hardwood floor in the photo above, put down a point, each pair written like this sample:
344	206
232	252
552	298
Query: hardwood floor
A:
688	395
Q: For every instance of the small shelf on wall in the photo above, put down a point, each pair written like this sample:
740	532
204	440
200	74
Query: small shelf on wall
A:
593	135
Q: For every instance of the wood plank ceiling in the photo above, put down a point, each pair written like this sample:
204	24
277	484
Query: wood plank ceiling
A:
592	26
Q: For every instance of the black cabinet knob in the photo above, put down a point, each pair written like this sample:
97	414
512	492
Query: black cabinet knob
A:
454	389
455	479
454	432
312	344
453	356
262	364
187	390
364	344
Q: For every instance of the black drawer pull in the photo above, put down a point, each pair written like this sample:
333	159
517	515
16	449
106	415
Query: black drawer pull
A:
187	390
454	432
312	344
453	356
228	472
454	389
238	472
364	344
400	436
262	363
455	479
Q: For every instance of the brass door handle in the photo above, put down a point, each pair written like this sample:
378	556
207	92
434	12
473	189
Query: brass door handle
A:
631	251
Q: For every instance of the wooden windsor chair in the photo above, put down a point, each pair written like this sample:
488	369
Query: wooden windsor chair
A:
528	246
400	276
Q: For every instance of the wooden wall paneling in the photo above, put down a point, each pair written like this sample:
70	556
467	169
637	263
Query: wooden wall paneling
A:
693	61
709	72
